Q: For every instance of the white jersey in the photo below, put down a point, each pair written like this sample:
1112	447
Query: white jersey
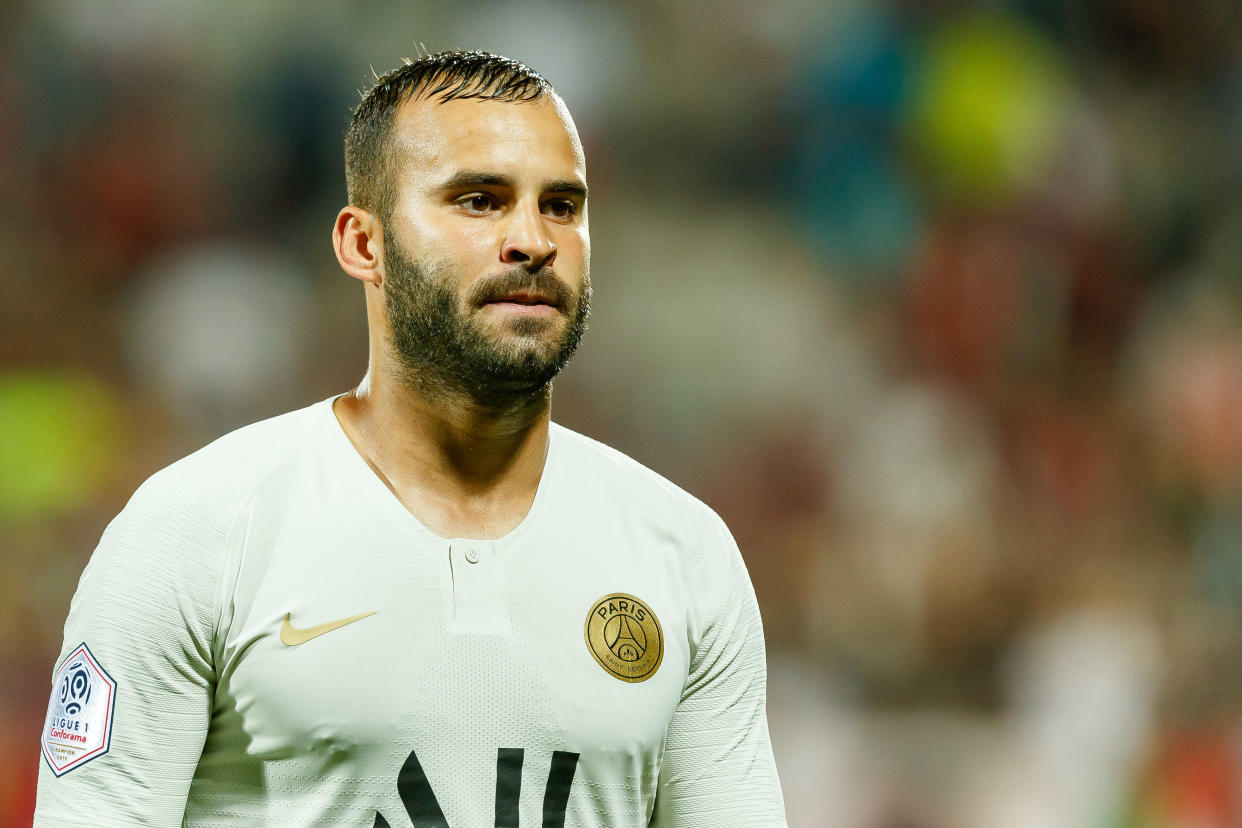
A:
266	636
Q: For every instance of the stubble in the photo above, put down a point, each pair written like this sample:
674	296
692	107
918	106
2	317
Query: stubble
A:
444	347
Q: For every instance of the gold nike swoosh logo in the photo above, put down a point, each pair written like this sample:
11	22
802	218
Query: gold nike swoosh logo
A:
291	636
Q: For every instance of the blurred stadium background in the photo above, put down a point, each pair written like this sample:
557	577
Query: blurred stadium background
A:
938	303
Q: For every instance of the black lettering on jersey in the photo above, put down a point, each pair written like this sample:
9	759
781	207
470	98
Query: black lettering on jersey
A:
417	797
424	811
556	794
508	786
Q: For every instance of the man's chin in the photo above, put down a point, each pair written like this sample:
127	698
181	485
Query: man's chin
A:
523	335
545	324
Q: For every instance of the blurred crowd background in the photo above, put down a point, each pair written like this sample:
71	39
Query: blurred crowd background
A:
938	303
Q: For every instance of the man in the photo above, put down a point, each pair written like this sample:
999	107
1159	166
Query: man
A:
421	602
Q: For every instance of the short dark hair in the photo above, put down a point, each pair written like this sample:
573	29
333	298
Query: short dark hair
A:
445	76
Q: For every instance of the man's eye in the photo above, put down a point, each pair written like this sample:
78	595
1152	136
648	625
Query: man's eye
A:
560	208
478	203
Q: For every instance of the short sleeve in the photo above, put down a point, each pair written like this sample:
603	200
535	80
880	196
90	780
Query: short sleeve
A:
718	767
144	614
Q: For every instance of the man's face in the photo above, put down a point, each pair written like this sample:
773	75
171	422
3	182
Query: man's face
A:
487	251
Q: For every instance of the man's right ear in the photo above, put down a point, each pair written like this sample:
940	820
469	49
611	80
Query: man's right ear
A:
358	241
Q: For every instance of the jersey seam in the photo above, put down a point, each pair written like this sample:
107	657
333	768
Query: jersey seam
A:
696	560
229	534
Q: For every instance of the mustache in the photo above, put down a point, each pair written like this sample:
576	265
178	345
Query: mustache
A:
519	280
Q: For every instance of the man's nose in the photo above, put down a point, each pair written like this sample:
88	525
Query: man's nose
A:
527	242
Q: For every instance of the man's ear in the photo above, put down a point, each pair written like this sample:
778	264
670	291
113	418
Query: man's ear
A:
358	241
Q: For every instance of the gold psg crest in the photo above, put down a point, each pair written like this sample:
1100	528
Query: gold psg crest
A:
624	636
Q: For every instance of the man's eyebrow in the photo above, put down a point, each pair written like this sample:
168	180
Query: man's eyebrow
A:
572	188
465	179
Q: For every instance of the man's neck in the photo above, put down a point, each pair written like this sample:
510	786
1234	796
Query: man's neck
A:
461	468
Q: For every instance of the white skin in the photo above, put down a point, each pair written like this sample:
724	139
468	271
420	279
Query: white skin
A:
462	468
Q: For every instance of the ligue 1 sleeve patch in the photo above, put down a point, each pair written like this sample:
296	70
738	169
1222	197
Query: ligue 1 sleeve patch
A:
79	715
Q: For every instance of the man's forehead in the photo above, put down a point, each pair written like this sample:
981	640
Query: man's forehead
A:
431	133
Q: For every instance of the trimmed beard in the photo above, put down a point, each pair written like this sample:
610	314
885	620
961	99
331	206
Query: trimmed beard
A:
443	348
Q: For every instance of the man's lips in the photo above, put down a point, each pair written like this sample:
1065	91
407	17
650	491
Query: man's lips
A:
523	299
524	302
518	291
523	293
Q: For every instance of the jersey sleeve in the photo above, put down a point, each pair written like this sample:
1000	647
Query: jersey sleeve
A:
144	612
718	767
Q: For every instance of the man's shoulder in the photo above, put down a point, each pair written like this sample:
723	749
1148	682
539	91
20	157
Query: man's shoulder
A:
221	476
627	479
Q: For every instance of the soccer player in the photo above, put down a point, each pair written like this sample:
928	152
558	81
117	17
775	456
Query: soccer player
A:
421	602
